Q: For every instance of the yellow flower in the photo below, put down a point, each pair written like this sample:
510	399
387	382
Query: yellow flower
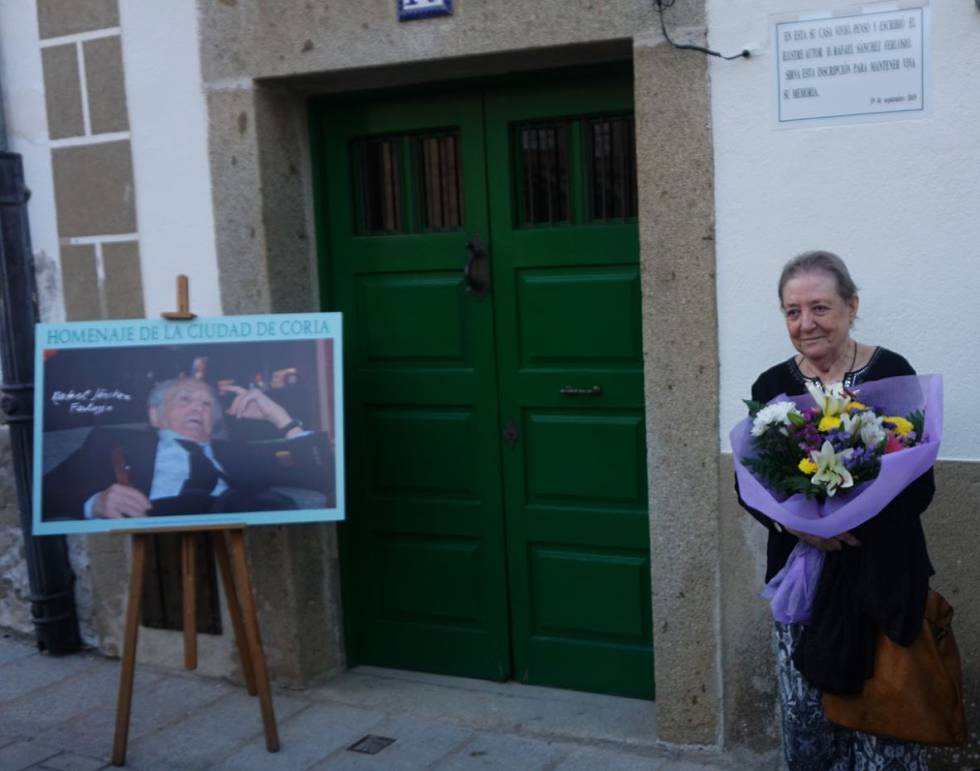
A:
828	423
856	406
902	426
807	466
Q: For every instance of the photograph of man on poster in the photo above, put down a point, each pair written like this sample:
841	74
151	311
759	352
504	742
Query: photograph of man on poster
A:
176	466
228	431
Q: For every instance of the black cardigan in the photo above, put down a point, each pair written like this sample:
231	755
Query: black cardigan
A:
881	584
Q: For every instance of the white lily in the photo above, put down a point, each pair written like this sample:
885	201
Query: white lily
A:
778	413
851	422
866	425
831	473
832	400
872	432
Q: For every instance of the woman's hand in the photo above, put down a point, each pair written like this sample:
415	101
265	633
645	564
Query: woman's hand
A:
827	544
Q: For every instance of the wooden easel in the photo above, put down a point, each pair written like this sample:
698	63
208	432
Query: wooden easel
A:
235	578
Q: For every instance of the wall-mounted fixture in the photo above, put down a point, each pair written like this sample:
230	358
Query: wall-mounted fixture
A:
421	9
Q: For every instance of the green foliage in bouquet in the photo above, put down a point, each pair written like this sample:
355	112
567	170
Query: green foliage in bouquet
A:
777	465
918	421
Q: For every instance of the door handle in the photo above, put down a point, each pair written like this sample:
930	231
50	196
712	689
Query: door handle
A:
475	278
572	391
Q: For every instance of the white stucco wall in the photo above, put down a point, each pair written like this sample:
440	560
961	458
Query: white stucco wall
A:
897	200
27	133
168	126
169	144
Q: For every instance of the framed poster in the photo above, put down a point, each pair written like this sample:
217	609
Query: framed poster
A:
211	421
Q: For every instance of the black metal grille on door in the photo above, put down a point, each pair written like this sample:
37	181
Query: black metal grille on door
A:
543	173
379	193
612	157
438	159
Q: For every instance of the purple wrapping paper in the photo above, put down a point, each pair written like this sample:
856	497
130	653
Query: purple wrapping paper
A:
853	506
791	591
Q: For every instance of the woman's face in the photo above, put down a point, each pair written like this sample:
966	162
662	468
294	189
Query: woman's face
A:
817	318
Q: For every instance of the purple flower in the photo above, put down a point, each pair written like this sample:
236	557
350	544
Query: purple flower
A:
839	438
860	456
809	438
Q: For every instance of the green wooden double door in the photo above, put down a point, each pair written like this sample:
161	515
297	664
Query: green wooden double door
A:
483	248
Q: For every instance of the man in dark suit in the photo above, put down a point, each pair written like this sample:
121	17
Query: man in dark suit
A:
179	467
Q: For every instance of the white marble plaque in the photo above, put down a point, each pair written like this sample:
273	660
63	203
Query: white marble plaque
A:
851	68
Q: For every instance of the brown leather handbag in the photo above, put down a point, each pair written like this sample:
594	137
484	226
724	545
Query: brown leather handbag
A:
916	693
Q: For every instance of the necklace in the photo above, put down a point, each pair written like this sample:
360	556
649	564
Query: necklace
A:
803	360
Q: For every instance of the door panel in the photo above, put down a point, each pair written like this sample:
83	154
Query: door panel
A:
567	313
568	572
415	472
394	334
424	566
584	459
497	523
413	567
555	333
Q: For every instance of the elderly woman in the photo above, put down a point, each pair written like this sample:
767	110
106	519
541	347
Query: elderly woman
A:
874	577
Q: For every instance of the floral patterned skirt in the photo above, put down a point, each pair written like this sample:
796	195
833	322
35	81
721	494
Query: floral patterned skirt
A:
812	743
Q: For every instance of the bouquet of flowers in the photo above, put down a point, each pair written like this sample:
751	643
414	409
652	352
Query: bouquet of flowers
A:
827	447
827	461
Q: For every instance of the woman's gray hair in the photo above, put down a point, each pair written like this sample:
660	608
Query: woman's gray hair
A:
826	262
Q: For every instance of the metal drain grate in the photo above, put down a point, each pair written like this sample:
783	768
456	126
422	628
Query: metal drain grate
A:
370	744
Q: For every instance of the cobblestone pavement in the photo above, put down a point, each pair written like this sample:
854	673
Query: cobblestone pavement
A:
58	714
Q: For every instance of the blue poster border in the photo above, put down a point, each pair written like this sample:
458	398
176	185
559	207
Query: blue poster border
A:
224	329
